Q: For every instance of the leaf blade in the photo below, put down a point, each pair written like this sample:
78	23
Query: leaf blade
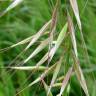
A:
80	75
72	34
55	74
65	81
76	12
39	34
11	6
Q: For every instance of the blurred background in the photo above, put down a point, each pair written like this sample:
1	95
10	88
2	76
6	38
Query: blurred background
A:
24	21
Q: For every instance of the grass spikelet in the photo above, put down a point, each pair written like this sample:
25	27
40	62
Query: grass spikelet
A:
55	74
11	6
65	81
39	78
76	11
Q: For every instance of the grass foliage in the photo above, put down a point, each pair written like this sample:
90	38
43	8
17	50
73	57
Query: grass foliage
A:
47	48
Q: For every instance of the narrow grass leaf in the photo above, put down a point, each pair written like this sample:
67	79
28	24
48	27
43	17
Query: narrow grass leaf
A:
45	57
76	12
56	85
39	34
44	74
53	27
80	76
30	68
17	44
56	71
39	78
53	50
11	6
77	67
82	81
37	50
46	88
33	40
60	78
54	22
65	81
60	39
72	33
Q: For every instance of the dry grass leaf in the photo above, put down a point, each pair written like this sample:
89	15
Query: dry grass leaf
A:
80	75
37	50
59	40
55	74
72	33
47	71
54	22
20	43
46	88
17	44
76	11
39	34
53	27
65	81
77	67
29	68
54	49
11	6
45	57
33	40
56	85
